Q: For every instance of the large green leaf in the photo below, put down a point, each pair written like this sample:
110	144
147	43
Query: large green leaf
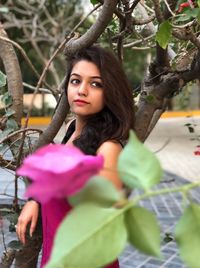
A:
164	34
2	79
138	166
97	190
94	2
143	231
187	235
90	236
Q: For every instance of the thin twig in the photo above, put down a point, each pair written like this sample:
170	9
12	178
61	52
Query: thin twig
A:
163	146
9	195
143	22
20	131
158	12
25	57
79	24
142	48
2	233
45	90
168	7
139	41
189	24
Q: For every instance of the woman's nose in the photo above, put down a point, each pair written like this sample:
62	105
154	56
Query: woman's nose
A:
82	90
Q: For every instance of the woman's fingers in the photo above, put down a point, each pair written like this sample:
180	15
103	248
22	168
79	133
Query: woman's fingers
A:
32	227
21	231
28	215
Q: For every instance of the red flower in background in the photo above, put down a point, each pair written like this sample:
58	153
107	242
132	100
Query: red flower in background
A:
189	3
197	152
58	171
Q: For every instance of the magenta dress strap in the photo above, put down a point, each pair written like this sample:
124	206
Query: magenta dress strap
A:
53	213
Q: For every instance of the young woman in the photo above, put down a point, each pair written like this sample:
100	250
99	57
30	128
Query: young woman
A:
101	101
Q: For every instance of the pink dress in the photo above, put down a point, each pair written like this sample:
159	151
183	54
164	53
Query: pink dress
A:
52	214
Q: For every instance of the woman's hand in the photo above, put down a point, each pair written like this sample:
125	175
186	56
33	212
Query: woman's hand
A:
29	214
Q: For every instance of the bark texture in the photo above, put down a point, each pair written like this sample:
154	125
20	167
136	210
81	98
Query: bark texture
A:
14	77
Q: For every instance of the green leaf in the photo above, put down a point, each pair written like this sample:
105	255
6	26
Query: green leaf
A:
150	98
4	10
2	79
12	218
94	2
191	129
11	124
143	231
5	133
168	237
5	211
7	99
3	147
192	12
138	166
10	112
97	190
198	3
90	236
15	244
187	234
164	34
188	14
198	17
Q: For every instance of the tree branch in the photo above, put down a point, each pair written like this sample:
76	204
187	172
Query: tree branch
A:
14	77
95	31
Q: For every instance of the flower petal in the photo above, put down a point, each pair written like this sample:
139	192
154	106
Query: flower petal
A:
58	172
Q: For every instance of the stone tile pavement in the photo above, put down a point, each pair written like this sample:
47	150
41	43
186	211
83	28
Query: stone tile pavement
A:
168	209
174	147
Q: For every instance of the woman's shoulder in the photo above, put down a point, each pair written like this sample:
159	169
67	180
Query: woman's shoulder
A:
110	146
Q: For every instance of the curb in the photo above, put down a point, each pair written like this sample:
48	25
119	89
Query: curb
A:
168	114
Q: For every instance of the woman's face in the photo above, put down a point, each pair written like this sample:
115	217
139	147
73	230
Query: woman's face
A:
85	89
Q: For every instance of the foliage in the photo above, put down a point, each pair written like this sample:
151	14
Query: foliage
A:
2	79
187	235
142	226
40	27
164	34
135	165
48	32
115	218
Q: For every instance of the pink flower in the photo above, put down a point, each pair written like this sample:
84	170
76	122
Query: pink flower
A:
58	171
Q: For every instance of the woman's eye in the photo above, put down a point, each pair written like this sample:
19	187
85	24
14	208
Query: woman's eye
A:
74	81
97	84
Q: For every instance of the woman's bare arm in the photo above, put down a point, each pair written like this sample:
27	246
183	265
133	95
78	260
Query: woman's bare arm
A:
110	150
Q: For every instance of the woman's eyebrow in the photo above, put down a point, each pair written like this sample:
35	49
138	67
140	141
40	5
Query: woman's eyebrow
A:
96	77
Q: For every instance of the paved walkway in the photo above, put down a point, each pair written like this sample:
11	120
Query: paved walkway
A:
174	146
178	154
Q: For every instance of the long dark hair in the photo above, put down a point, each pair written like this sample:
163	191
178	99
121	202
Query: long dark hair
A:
117	117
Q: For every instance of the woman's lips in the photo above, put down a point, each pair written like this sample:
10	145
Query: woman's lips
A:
80	102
